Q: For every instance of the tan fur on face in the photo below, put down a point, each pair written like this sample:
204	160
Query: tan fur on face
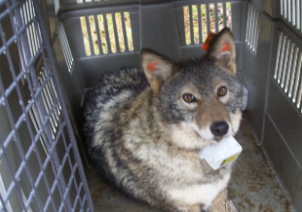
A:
211	112
208	112
235	121
186	135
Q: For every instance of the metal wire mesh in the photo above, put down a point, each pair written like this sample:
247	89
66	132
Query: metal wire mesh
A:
40	168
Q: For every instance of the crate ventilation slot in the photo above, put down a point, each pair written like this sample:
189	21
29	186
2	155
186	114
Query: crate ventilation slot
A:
288	69
252	29
27	15
66	48
50	99
107	33
291	12
200	19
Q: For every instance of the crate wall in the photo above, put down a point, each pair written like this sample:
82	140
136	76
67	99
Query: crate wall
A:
161	27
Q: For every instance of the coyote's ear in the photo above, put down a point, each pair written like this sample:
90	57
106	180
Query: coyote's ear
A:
157	68
222	50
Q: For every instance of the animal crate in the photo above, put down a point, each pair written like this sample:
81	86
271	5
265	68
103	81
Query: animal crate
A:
52	51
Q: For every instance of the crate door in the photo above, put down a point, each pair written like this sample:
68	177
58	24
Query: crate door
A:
40	167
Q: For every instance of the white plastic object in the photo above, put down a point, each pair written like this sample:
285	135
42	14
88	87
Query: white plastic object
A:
225	151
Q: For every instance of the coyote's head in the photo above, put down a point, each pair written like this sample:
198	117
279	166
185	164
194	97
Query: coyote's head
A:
200	97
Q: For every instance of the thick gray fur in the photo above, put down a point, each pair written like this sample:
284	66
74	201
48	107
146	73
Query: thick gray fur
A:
146	142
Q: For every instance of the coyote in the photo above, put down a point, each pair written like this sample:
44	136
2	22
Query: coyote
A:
144	127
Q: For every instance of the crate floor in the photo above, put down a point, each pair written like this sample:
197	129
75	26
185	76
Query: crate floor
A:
253	187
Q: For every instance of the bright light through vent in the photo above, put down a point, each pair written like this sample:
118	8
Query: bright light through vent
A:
213	21
93	33
200	19
127	20
111	32
85	35
204	22
102	34
120	33
195	23
187	24
107	33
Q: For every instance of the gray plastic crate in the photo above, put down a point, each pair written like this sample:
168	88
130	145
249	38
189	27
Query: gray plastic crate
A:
52	51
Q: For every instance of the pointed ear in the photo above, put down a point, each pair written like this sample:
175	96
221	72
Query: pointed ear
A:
222	50
157	68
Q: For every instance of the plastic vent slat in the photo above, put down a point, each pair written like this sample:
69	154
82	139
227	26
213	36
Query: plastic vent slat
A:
97	28
120	33
224	15
208	18
85	30
293	12
289	11
216	18
285	8
125	33
297	78
281	7
200	25
291	85
195	27
107	34
298	14
93	36
117	43
89	34
299	94
282	59
191	25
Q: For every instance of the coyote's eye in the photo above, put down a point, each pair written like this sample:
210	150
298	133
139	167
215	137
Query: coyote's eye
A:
189	97
222	91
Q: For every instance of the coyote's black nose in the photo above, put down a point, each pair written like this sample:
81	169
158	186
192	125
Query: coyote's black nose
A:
219	128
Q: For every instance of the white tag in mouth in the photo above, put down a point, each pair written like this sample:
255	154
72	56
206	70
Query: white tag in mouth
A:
218	155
